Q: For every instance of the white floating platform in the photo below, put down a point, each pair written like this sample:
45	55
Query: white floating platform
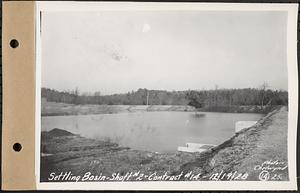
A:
195	147
199	145
190	150
240	125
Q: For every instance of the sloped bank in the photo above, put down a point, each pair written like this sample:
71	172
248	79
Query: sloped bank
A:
266	141
259	151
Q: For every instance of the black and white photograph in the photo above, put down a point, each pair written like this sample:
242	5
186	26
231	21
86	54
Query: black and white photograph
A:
165	95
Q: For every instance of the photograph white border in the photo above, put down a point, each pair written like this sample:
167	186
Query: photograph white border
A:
292	10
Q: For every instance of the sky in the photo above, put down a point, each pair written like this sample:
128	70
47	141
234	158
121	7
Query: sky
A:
120	51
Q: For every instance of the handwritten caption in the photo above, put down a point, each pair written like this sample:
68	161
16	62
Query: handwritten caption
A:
129	176
139	176
271	170
267	170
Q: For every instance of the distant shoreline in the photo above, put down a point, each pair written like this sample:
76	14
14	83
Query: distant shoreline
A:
60	109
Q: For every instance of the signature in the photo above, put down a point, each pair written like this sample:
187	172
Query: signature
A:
271	170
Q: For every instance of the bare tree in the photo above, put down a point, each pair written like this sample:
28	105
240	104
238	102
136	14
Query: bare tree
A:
263	89
76	96
216	94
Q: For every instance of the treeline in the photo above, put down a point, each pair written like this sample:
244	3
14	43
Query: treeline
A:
139	97
234	97
198	99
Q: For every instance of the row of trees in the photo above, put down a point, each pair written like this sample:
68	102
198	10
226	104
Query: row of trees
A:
199	99
231	97
139	97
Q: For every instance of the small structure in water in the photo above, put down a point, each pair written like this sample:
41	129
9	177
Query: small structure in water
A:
195	147
197	114
240	125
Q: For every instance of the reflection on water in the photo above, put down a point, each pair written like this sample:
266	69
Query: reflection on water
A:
154	131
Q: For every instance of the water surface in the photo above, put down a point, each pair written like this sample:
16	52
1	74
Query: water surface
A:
153	131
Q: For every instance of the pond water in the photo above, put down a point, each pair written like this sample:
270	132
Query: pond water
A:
153	131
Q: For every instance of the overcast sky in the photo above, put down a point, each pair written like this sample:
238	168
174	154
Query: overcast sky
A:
117	52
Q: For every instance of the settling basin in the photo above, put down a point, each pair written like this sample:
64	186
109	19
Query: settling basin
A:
152	131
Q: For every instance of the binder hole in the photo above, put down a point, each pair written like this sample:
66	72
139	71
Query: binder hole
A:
17	147
14	43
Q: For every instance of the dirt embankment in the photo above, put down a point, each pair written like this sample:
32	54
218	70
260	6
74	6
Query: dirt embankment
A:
55	109
248	149
81	155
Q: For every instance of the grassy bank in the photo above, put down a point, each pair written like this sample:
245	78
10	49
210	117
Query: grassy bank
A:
265	141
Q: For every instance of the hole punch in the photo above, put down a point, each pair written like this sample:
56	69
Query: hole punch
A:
17	147
14	43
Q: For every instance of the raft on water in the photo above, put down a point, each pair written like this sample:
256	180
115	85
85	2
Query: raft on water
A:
195	147
198	115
